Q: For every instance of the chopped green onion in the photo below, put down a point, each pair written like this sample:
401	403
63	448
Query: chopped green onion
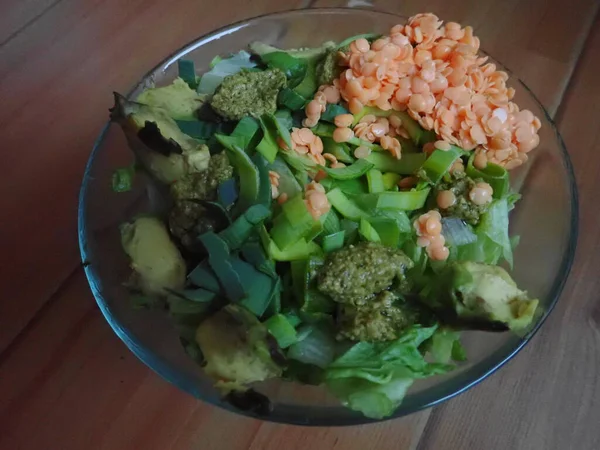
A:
331	223
405	166
249	178
291	99
439	163
122	178
332	111
282	330
405	201
254	254
340	150
496	176
375	181
387	229
240	230
198	129
293	68
218	259
457	232
350	230
308	85
204	277
199	295
268	146
299	250
227	192
368	232
258	287
280	129
287	182
248	130
355	170
284	119
187	72
264	189
333	241
345	206
390	180
227	66
353	186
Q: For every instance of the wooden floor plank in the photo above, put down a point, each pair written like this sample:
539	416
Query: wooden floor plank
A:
56	80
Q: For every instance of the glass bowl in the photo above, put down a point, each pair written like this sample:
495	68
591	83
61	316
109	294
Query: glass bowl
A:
545	219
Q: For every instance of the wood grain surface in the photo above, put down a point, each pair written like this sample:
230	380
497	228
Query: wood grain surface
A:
67	382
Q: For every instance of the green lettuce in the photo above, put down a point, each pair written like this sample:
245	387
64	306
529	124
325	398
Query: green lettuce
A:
373	377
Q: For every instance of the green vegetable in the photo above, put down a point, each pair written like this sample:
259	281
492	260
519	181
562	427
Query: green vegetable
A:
439	163
235	348
308	84
317	348
390	180
219	261
373	377
287	182
157	263
387	230
404	201
493	241
445	346
351	187
227	192
299	250
264	189
204	277
254	254
122	178
355	170
187	72
177	99
282	330
407	165
457	232
332	111
340	150
291	99
333	241
375	180
236	234
345	206
223	68
284	119
496	176
294	224
248	176
259	288
268	147
368	232
293	68
331	222
197	129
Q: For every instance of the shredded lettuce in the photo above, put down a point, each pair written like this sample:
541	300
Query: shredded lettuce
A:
373	377
225	67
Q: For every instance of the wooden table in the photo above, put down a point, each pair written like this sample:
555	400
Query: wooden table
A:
67	382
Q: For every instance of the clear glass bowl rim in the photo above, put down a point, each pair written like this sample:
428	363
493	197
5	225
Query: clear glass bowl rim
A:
437	394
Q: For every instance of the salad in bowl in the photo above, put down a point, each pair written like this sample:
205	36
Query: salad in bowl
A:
333	215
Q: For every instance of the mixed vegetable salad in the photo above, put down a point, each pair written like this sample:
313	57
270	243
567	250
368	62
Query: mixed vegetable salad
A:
336	215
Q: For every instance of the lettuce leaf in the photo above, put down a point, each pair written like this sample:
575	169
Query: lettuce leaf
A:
373	377
493	241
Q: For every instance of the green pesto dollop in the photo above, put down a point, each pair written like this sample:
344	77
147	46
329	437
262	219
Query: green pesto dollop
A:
381	319
248	93
203	185
460	185
354	274
328	68
188	219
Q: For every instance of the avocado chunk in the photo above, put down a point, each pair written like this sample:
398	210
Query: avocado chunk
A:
248	93
236	349
160	146
177	99
157	263
480	292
